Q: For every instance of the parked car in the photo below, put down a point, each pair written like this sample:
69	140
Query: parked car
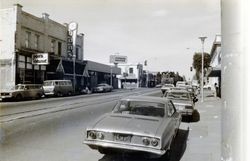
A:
23	91
166	88
136	124
183	101
208	86
103	87
58	87
158	86
179	83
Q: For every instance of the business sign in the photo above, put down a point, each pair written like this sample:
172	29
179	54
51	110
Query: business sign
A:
118	59
40	58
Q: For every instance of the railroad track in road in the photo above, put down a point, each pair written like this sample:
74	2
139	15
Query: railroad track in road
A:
5	118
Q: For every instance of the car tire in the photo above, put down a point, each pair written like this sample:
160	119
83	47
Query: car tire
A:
18	97
38	96
105	151
59	94
69	93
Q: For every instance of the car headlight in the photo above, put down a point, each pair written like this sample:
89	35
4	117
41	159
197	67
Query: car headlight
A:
99	135
92	134
154	142
146	141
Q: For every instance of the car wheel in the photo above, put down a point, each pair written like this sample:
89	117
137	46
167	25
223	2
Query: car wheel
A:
168	154
69	93
38	96
19	97
59	94
105	151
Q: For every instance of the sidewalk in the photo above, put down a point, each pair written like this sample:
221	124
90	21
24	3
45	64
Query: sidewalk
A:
204	140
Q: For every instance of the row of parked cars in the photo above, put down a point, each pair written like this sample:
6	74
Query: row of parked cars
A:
142	123
48	88
183	97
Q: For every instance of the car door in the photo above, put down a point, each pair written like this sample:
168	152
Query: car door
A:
176	117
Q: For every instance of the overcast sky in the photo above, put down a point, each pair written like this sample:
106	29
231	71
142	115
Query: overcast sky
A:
163	32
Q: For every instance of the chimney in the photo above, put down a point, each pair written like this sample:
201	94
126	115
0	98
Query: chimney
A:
18	5
45	16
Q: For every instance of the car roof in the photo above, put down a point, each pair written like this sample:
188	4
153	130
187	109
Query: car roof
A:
28	84
146	99
56	80
179	91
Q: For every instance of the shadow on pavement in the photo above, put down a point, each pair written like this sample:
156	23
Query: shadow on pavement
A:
178	148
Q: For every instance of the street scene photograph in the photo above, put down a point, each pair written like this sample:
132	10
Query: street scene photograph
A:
124	80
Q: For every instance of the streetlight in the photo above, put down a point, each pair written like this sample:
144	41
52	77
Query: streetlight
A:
202	66
73	27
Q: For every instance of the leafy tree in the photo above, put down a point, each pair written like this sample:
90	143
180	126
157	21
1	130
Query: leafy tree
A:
197	63
158	78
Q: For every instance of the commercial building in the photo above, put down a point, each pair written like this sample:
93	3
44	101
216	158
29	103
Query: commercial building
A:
131	76
34	49
214	72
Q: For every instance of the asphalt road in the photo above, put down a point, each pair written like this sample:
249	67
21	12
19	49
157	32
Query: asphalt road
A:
53	129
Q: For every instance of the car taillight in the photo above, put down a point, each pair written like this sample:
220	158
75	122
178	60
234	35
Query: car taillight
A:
99	135
146	141
154	142
92	134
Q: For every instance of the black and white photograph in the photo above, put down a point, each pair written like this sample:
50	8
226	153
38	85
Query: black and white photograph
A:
124	80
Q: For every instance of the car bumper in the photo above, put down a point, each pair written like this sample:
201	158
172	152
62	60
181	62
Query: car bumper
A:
186	112
49	93
5	97
126	147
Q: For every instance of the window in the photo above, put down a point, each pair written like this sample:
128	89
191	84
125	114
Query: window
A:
77	53
131	70
36	41
27	39
171	109
52	45
59	48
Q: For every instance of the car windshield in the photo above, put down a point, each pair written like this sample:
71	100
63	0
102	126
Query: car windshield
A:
178	96
101	85
168	85
17	87
50	83
140	108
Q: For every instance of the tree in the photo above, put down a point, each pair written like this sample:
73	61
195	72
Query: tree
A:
197	63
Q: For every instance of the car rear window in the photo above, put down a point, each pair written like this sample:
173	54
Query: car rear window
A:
141	108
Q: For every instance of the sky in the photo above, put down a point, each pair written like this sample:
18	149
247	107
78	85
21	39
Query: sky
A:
163	32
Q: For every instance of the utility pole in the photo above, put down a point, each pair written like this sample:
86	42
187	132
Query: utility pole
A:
202	38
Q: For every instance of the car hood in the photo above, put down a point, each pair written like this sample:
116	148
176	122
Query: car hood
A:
182	102
125	123
9	91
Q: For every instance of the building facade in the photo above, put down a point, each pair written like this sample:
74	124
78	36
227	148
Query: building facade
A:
214	72
22	36
131	76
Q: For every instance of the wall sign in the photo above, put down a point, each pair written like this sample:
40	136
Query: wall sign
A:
40	59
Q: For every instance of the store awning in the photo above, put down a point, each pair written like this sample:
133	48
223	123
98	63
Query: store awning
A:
68	67
214	72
